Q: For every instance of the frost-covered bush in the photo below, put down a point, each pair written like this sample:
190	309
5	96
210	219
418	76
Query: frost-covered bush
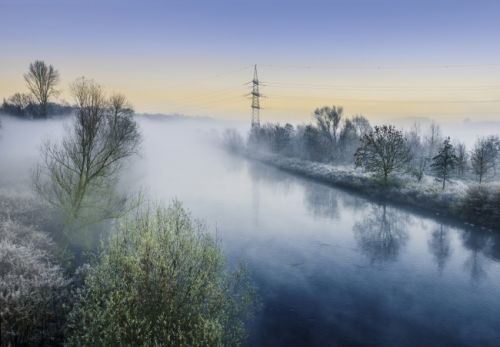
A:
161	281
25	209
32	287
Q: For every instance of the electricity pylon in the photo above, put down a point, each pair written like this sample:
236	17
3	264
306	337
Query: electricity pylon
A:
255	99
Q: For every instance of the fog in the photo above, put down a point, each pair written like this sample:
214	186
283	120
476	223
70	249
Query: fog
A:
330	267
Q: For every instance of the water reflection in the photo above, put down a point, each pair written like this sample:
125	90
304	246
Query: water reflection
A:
478	244
382	234
440	246
321	202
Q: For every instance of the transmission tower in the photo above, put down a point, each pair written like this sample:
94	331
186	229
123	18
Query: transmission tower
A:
255	99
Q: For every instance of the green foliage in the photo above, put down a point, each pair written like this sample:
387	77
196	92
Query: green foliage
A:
161	281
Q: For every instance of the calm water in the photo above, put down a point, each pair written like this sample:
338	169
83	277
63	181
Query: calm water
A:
331	268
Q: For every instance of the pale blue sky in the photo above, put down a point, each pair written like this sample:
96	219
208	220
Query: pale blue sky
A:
165	54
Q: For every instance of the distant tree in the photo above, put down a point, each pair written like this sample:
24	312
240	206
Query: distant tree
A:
494	148
462	159
419	159
444	162
41	81
383	151
362	125
18	104
314	148
433	139
328	122
87	161
348	140
483	158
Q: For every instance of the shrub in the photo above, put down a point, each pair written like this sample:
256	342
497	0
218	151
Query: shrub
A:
482	205
161	281
32	287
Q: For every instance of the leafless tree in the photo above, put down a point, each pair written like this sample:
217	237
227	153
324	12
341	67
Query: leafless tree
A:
362	125
41	81
383	151
462	158
79	173
483	158
328	121
419	159
433	139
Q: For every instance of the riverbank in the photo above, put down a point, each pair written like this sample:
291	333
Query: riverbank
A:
458	201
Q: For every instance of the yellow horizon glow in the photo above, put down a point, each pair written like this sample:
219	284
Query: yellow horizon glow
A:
447	96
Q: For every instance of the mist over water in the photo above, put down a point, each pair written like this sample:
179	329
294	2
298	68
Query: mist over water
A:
331	268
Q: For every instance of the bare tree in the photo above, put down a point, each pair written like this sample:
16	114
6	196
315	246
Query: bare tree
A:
383	151
433	139
419	159
19	103
328	121
483	158
462	159
444	162
41	81
80	172
362	125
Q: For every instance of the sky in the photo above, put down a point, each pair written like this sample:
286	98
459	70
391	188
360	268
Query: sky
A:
384	59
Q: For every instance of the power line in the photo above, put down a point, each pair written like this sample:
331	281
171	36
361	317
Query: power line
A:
382	100
379	87
381	67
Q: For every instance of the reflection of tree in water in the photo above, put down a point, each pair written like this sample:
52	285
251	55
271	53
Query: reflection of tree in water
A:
479	244
321	201
439	246
382	234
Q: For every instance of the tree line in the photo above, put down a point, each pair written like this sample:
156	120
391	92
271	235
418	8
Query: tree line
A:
41	81
382	150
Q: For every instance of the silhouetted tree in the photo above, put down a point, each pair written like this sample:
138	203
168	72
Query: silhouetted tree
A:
104	133
41	81
383	151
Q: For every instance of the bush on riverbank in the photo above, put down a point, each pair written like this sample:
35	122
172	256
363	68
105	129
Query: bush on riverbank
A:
161	281
33	289
482	205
